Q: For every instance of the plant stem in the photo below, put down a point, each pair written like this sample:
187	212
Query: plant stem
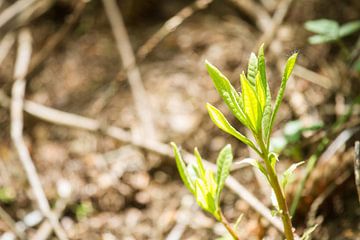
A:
280	197
228	227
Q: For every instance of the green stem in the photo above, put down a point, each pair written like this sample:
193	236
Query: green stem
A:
228	227
280	197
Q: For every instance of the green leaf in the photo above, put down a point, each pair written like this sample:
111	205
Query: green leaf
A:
223	164
252	68
349	28
185	177
220	121
318	39
267	110
288	173
252	107
260	91
323	27
288	69
227	92
200	165
261	65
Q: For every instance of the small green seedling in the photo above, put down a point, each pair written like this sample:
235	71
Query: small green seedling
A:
254	109
329	30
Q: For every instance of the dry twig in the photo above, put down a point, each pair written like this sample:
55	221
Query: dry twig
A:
5	45
75	121
56	38
17	103
14	10
11	223
357	167
170	26
133	73
255	11
275	22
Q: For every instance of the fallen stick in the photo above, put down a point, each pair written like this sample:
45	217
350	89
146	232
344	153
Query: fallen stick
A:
75	121
170	26
127	55
16	130
357	167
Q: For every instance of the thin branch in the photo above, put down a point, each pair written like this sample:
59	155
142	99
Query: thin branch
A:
133	73
11	223
17	103
275	22
72	120
357	167
56	38
170	26
5	45
12	11
255	11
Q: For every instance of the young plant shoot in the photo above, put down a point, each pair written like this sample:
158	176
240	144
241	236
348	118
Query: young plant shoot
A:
253	108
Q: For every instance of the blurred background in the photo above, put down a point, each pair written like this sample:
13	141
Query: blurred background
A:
106	85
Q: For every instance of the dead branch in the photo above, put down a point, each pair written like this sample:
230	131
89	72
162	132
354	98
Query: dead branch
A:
170	26
75	121
17	103
11	224
133	73
14	10
5	45
255	11
56	38
357	167
279	16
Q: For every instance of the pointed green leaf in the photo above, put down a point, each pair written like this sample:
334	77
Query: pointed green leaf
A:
260	91
223	164
220	121
288	69
251	104
185	177
252	68
200	194
349	28
200	164
267	109
288	173
228	93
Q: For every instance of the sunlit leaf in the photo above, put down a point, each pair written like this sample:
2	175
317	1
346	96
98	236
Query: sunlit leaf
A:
200	165
252	68
185	177
288	69
223	164
267	109
228	93
220	121
260	91
252	107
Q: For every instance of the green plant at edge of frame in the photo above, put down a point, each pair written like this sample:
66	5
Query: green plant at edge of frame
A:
253	108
